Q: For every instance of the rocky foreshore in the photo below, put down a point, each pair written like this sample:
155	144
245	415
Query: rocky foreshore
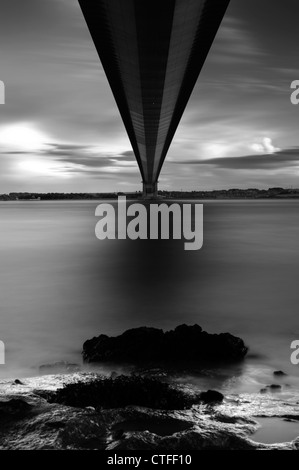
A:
143	408
79	411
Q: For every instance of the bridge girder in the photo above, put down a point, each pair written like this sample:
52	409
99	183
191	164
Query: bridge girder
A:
152	52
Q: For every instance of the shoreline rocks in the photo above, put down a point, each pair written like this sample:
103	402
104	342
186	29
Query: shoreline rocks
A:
151	345
146	410
31	419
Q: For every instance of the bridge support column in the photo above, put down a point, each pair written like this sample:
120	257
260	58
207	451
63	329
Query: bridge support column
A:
150	190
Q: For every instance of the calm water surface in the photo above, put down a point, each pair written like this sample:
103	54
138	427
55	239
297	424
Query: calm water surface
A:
59	285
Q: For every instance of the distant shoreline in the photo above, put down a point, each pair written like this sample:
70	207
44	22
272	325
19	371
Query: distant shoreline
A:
252	193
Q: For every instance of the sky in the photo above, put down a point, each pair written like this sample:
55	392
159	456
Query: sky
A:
60	129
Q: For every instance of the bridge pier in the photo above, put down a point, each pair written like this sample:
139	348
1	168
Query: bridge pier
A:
150	190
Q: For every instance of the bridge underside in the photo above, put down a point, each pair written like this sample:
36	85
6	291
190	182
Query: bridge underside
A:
152	52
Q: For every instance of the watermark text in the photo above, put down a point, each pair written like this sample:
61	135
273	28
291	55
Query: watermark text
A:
2	353
2	92
295	93
156	221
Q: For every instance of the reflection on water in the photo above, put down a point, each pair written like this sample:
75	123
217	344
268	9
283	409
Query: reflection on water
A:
60	285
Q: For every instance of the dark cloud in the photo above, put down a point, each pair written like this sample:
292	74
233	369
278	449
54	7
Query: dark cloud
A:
128	156
90	156
282	159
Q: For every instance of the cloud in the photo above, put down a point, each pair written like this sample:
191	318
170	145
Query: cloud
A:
235	43
265	147
281	159
72	159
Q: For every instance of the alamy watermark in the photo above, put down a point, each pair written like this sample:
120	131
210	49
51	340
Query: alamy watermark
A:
295	94
2	353
136	221
2	92
295	354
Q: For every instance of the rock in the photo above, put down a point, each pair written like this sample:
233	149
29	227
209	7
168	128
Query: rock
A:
279	373
14	406
18	382
117	434
83	432
211	396
271	388
103	392
148	345
274	387
90	408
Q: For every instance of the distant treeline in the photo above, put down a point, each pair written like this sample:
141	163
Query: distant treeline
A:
57	196
251	193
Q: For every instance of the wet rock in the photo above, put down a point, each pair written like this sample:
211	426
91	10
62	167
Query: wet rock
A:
14	406
211	396
117	434
104	392
185	343
271	388
55	424
160	425
274	387
18	382
279	373
82	432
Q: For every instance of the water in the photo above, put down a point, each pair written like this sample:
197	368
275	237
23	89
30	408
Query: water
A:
276	430
60	285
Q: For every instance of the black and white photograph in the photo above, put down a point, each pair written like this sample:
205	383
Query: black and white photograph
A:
149	228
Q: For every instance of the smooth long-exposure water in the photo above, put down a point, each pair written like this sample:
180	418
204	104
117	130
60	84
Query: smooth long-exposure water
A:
60	285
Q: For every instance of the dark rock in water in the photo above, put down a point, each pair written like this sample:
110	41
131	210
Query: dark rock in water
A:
211	396
18	382
124	391
185	343
59	367
273	387
279	373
